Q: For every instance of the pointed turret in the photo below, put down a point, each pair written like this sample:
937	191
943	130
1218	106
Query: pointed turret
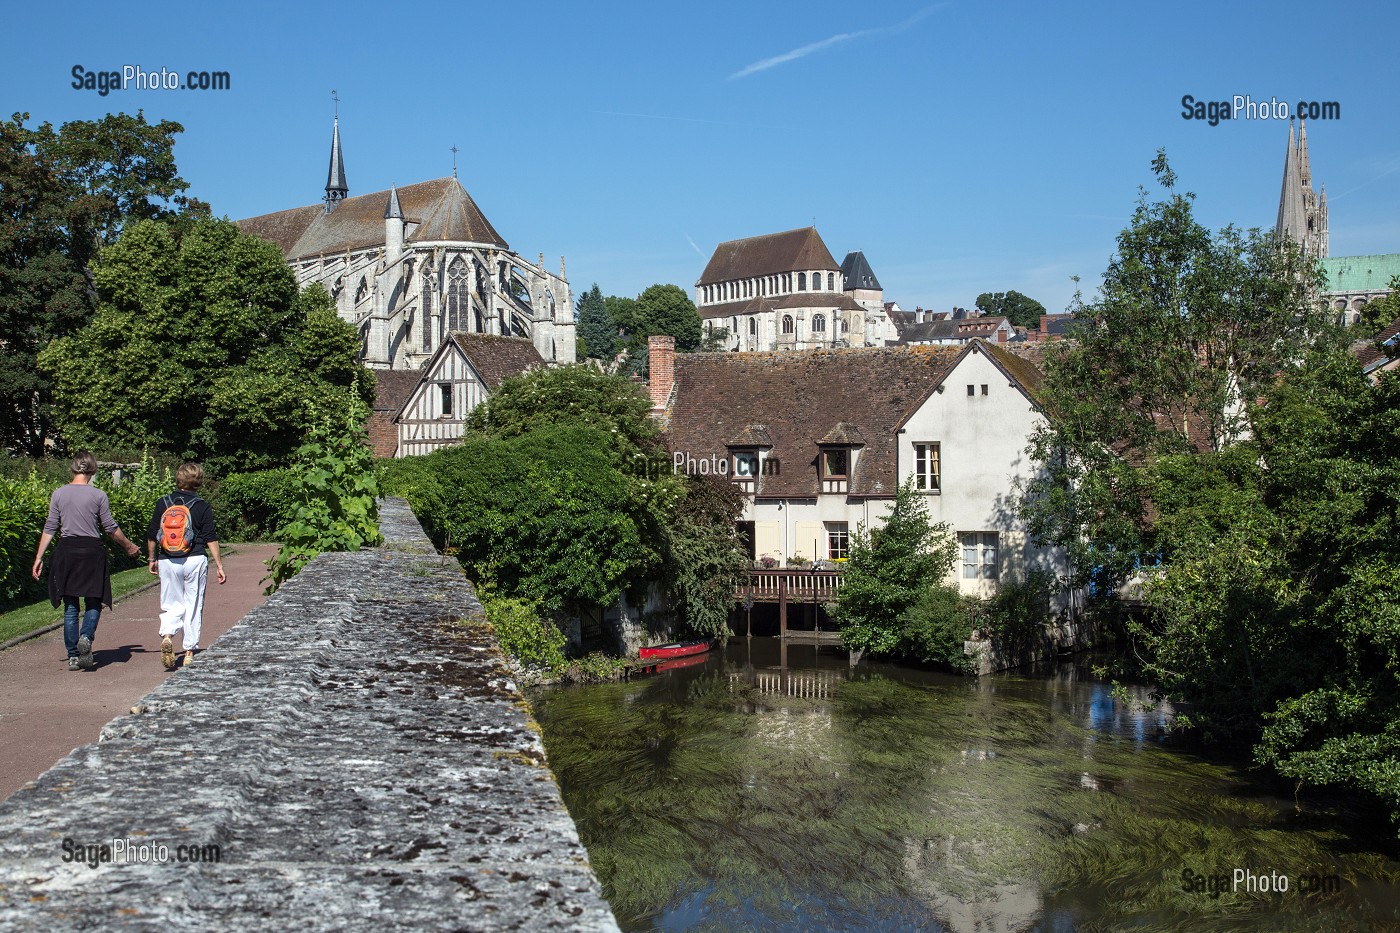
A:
1304	169
393	226
336	188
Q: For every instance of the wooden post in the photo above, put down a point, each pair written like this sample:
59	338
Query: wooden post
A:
782	606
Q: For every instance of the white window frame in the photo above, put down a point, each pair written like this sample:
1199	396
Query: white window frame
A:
923	481
981	554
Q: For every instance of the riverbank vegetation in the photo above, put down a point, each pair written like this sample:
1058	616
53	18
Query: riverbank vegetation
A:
561	495
1212	445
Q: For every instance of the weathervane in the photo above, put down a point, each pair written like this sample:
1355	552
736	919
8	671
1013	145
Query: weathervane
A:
454	160
336	97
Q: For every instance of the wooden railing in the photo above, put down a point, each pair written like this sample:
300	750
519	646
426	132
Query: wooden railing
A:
790	584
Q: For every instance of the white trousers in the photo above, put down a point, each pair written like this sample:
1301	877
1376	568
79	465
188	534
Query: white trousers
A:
182	582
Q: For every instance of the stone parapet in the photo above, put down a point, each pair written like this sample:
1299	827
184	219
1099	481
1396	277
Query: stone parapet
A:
353	751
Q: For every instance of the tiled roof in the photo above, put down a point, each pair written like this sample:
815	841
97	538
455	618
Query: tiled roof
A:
753	435
1023	365
790	251
800	398
498	358
392	387
819	301
442	207
929	330
1369	352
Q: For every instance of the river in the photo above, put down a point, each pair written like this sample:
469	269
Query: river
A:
775	787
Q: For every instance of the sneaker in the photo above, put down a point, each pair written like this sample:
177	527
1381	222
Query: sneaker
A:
167	653
73	664
85	660
189	657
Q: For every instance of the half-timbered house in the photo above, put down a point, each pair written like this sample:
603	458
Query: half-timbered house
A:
463	372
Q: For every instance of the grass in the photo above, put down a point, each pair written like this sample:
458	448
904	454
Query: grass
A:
24	619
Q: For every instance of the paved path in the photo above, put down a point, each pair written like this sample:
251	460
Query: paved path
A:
46	710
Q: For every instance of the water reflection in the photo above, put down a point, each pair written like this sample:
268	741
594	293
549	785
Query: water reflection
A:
776	787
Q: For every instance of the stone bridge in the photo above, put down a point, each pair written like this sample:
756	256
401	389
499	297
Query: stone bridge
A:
353	754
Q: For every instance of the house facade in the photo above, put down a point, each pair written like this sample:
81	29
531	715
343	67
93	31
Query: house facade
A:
784	291
410	266
820	441
433	412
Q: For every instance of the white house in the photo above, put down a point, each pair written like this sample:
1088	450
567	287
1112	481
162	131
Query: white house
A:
821	439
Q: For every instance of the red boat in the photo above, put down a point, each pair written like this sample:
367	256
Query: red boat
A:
676	649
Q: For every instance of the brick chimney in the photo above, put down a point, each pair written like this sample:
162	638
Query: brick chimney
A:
661	351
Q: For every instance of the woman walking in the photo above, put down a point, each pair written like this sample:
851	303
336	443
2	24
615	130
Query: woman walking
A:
79	513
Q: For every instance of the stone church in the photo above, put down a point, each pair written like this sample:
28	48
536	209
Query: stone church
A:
411	266
1352	281
784	291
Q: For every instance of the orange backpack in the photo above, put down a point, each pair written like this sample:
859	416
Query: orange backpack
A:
176	529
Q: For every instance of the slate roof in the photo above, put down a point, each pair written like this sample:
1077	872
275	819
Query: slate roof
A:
442	207
497	358
857	271
790	251
801	399
946	329
821	301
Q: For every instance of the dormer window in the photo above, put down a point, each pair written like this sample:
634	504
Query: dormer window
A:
745	466
834	464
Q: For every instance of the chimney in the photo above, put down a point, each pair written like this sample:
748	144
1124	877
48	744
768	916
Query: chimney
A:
661	352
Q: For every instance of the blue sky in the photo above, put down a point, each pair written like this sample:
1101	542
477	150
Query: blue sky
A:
966	147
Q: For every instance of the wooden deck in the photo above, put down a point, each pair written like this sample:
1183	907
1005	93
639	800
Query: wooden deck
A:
790	585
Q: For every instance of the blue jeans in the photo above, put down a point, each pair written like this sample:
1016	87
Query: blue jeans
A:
70	621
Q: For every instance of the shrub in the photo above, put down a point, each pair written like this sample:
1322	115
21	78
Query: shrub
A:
523	634
24	504
252	506
1018	612
338	489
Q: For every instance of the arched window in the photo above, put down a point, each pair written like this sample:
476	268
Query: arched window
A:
845	327
427	312
753	327
831	281
361	291
818	324
787	323
801	281
458	297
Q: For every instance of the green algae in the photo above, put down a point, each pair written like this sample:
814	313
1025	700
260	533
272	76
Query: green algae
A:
886	798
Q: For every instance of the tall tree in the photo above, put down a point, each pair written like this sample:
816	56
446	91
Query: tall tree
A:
1017	308
667	309
202	346
1187	331
595	326
63	193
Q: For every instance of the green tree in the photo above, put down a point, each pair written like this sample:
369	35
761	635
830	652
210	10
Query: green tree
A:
1379	314
1188	330
595	327
704	559
203	347
578	394
63	193
894	596
1020	310
667	309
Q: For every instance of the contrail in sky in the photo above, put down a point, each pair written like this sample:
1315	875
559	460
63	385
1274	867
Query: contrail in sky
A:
829	42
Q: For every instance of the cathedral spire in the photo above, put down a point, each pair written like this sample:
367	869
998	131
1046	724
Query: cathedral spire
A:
336	188
392	209
1302	215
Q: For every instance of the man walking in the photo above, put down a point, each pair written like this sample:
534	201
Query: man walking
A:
180	534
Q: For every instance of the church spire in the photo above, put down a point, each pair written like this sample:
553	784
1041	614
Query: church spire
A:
1302	215
392	209
336	188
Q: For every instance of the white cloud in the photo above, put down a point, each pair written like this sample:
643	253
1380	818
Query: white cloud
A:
829	42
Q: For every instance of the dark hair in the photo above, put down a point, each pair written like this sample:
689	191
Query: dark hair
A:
83	462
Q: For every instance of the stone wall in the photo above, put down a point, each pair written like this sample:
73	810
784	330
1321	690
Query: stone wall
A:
1064	633
355	750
